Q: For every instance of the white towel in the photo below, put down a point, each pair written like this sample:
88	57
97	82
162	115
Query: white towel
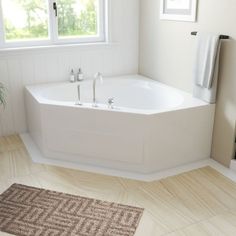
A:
206	63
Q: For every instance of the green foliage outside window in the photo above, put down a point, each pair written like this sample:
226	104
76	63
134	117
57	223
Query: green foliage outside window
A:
70	23
36	21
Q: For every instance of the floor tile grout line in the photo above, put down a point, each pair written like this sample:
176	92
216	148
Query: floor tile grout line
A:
196	223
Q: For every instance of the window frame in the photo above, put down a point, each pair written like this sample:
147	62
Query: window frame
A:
53	34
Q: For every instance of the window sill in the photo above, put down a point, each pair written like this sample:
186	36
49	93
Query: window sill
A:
55	47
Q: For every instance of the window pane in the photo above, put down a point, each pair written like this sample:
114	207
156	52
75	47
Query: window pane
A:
77	18
25	19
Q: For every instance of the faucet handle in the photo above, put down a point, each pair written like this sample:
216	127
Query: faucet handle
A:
111	102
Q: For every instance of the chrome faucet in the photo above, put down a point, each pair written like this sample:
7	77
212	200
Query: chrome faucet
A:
96	76
78	103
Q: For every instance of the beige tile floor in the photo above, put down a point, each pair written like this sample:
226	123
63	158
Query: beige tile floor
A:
200	202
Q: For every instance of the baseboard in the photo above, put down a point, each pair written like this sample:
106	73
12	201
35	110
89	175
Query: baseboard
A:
37	157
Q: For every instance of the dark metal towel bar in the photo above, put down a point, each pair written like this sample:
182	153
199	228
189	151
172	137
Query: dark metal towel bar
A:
221	36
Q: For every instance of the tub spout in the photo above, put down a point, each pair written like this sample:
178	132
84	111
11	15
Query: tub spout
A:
96	76
79	103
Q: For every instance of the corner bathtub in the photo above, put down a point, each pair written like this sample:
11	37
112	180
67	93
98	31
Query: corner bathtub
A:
153	127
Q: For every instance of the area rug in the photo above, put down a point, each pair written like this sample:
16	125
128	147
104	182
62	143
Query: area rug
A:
29	211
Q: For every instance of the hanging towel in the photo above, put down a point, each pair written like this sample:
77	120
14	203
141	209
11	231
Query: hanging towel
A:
206	62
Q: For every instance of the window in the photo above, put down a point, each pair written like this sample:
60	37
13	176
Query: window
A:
43	22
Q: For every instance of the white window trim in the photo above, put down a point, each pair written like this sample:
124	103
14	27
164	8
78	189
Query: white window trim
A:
1	26
53	31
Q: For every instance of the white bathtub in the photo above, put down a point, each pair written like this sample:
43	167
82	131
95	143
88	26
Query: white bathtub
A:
153	127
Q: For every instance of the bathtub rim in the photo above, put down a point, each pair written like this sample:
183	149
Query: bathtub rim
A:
188	100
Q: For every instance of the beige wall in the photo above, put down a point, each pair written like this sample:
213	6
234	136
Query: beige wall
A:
167	52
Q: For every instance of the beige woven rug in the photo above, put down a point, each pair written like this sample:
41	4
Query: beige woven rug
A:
29	211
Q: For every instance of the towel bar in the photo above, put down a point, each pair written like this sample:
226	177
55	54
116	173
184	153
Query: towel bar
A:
221	36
